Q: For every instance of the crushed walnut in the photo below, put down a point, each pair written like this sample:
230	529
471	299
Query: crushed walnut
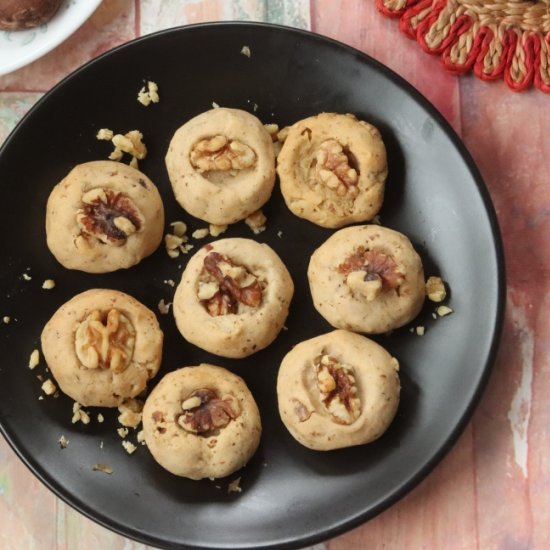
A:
442	311
149	94
129	447
204	411
105	340
435	289
220	153
245	50
164	308
130	412
63	442
224	285
34	359
334	168
234	486
6	319
131	143
256	221
102	468
122	432
338	389
175	242
200	233
48	284
217	230
48	387
370	272
108	216
79	414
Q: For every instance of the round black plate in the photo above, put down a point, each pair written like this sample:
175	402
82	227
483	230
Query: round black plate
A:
291	496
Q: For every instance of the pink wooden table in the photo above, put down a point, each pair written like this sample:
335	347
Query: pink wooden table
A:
493	489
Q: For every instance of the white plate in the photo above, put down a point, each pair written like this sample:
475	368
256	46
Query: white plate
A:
19	48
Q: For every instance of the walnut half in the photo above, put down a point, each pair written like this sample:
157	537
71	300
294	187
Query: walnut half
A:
337	389
221	153
105	340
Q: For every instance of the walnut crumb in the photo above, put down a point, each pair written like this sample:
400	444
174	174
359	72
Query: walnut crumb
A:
48	284
34	359
122	432
129	447
141	437
63	442
26	277
105	134
442	311
234	486
280	234
179	228
435	289
149	94
79	414
102	468
420	330
6	319
100	418
245	50
215	105
200	233
256	221
217	230
170	282
130	413
164	307
48	387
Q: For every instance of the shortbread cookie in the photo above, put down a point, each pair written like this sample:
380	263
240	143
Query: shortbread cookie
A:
367	279
233	297
201	421
104	216
102	347
222	165
332	168
337	390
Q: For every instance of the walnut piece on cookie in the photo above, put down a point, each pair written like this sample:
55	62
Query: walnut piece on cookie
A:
367	279
103	216
332	168
102	347
233	298
337	390
221	165
201	421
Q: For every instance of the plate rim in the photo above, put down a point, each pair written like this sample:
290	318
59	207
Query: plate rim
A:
452	437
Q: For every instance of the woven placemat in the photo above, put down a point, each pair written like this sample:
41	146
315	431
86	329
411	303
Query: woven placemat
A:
507	39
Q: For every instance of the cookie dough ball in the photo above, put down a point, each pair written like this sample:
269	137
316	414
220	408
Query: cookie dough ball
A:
367	279
201	421
233	297
102	347
332	169
337	390
104	216
222	165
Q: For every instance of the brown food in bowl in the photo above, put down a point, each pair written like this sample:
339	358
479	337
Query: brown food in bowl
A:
24	14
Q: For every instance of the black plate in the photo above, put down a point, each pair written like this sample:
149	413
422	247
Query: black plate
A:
290	496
